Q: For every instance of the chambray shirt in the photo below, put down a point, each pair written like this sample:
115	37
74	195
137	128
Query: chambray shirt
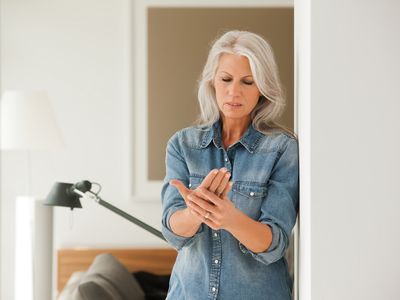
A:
213	264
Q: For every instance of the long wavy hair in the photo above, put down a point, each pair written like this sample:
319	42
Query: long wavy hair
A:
271	103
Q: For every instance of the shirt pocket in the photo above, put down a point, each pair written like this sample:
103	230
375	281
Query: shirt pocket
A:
248	197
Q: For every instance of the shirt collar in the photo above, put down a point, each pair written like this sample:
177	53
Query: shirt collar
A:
249	140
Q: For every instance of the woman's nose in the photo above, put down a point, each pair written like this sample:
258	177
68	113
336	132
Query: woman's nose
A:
234	88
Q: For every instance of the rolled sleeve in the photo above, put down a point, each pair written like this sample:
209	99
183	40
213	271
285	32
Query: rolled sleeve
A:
274	252
172	201
280	206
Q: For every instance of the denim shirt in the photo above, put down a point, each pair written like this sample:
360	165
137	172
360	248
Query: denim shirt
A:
213	264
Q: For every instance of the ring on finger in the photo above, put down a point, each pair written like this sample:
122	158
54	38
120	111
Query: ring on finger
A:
207	215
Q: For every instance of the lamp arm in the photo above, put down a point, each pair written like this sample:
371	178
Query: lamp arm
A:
121	213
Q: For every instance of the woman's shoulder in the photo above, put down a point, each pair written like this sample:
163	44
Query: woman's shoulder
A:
277	141
193	135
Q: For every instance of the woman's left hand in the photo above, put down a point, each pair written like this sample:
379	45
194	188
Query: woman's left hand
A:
220	209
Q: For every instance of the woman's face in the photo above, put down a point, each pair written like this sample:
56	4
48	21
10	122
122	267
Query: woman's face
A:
235	89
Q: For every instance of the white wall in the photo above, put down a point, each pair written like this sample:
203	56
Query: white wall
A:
354	145
79	51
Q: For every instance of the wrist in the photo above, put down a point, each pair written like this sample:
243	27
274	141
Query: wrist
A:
234	220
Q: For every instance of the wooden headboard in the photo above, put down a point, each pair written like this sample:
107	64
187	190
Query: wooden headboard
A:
155	260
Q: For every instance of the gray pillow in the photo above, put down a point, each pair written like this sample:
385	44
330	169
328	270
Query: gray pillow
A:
107	279
71	286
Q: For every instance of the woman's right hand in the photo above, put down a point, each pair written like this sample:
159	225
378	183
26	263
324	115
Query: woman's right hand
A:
217	182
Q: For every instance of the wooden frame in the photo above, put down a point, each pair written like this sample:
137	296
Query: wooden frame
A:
155	260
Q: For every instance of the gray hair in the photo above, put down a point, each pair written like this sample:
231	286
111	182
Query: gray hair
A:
265	73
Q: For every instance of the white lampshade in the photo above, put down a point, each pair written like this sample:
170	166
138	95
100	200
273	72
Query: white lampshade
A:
28	122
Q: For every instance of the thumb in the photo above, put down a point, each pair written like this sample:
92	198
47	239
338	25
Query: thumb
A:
183	190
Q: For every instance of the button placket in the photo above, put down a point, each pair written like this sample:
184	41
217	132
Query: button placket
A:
215	265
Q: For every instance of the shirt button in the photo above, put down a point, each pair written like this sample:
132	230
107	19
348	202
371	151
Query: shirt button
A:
252	194
214	289
216	261
215	234
190	185
226	159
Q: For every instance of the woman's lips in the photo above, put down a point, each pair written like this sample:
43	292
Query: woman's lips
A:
233	105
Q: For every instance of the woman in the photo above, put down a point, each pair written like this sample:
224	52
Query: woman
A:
230	197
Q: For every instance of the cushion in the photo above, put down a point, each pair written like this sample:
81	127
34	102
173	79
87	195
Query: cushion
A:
71	285
107	279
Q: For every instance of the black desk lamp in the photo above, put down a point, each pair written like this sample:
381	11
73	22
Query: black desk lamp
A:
68	194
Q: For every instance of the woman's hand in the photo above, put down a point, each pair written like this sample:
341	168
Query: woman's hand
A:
218	212
222	214
216	182
186	222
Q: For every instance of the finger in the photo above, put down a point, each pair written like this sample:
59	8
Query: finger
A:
217	180
208	221
195	207
222	186
196	214
197	210
207	195
183	190
209	178
204	205
226	191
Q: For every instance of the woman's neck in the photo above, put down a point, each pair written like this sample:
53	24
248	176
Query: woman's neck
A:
233	130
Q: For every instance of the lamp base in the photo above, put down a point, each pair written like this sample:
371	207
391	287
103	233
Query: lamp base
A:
33	249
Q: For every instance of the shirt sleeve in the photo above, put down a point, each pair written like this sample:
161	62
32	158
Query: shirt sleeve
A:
279	208
172	201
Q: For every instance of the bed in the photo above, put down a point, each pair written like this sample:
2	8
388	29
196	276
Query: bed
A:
158	261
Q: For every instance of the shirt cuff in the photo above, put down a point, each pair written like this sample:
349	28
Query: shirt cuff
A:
274	252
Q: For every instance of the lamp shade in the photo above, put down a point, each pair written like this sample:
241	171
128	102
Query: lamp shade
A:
28	122
60	196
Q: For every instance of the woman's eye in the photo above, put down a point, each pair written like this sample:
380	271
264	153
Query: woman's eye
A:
225	79
248	82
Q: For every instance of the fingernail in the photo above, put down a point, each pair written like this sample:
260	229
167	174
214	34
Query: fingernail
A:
227	175
224	169
215	171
